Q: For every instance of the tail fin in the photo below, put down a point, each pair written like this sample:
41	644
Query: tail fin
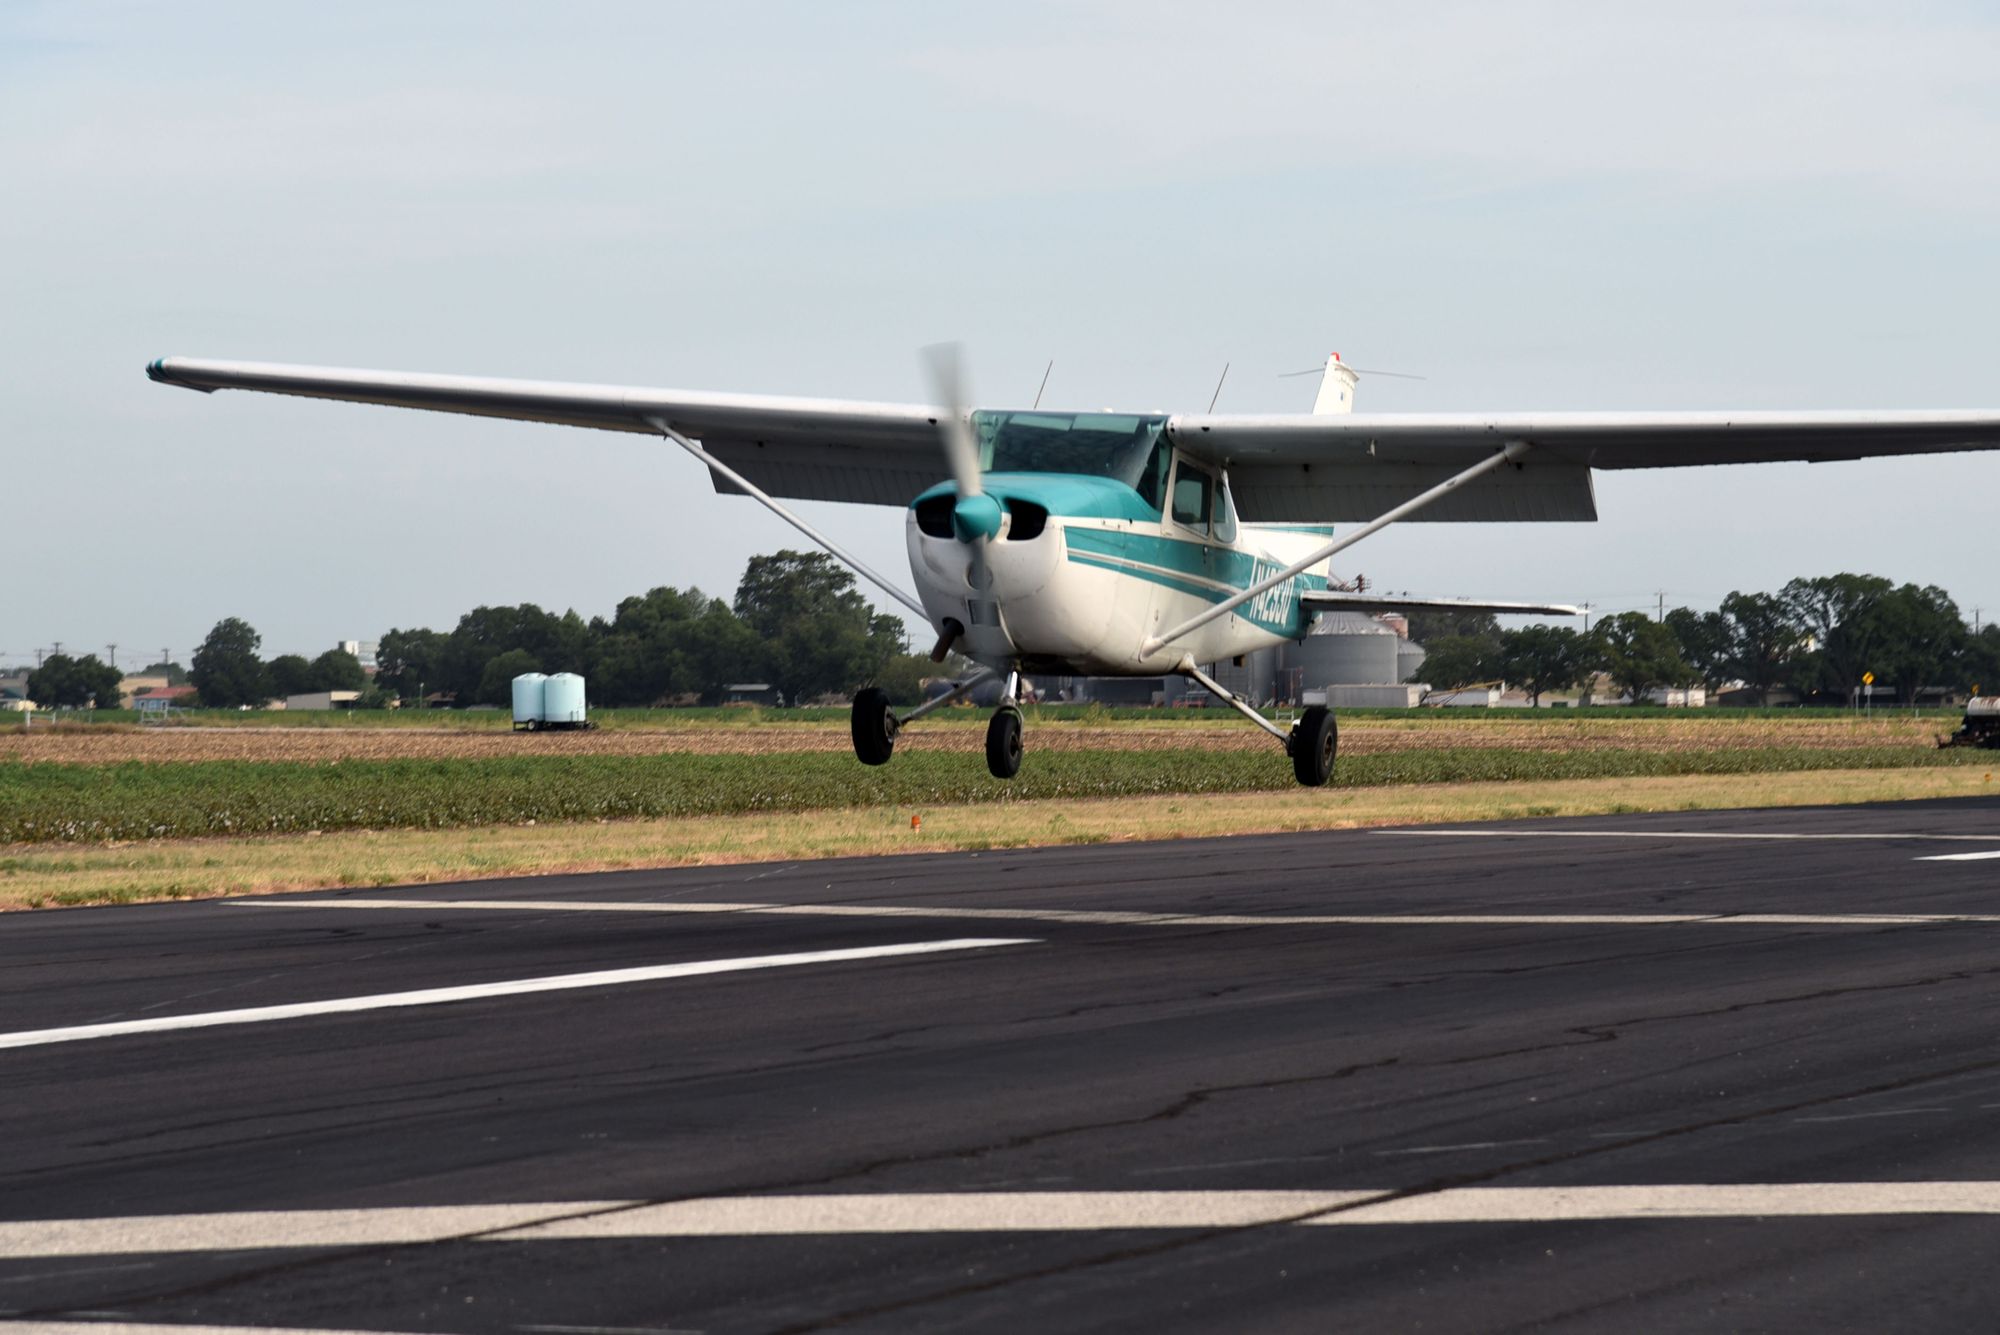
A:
1336	388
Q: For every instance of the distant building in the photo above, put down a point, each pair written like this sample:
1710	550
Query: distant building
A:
365	651
751	693
322	700
160	699
129	688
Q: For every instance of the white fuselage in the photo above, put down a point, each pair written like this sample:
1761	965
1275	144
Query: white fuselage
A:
1084	594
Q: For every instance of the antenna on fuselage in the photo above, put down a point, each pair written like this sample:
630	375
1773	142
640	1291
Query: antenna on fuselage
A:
1045	381
1218	387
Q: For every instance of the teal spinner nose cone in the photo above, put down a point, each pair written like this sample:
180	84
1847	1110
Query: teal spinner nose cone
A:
976	517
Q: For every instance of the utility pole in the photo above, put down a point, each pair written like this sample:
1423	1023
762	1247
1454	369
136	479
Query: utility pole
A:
166	656
112	651
1586	617
58	648
1662	615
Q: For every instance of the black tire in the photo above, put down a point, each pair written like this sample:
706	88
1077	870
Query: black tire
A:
874	727
1003	744
1314	741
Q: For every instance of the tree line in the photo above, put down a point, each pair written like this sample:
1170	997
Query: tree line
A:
1814	638
797	623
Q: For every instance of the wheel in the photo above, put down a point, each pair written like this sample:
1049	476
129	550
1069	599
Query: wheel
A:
1313	743
1003	743
874	727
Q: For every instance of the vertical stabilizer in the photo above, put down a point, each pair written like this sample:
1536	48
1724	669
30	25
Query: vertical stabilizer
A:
1336	388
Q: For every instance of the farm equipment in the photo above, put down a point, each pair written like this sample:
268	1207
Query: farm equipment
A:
1981	726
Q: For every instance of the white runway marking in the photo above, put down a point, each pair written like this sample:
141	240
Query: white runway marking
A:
976	1212
145	1328
1684	834
435	996
1119	918
1962	857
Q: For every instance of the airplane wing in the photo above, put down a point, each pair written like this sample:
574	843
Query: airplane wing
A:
1352	467
1335	600
811	449
1286	469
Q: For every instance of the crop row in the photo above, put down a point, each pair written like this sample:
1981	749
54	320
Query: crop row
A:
88	803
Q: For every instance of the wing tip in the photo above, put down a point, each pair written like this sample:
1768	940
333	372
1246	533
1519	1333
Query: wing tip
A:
158	371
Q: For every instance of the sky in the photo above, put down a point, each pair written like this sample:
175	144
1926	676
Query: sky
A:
1534	206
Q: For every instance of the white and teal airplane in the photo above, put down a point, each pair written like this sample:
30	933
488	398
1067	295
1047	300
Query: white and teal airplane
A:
1133	544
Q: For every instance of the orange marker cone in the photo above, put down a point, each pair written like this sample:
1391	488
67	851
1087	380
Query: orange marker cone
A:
917	822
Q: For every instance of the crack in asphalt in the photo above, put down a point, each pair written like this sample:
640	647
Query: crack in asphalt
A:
1446	1182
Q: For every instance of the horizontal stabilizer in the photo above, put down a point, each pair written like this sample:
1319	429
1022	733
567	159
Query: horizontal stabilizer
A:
1333	600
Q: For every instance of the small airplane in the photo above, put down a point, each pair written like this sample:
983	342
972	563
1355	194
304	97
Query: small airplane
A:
1133	544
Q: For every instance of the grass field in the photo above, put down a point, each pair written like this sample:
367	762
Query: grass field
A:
95	812
47	876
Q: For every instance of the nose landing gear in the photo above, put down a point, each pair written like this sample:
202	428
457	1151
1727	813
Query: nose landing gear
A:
875	724
1003	743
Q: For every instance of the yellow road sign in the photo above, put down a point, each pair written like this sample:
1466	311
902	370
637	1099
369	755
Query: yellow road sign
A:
1867	679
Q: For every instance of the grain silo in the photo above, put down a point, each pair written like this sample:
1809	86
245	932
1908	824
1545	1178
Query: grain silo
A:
528	700
562	701
1345	648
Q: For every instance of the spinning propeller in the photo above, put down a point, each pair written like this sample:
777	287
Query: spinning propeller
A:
975	517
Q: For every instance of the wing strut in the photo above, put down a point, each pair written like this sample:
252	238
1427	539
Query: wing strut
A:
1508	455
750	488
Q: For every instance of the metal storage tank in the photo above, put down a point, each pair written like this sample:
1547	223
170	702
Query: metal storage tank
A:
1345	648
562	701
1410	658
528	699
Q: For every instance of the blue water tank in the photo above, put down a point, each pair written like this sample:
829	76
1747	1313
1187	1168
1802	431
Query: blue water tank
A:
562	700
528	698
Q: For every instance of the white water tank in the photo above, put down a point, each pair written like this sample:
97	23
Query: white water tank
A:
528	699
562	700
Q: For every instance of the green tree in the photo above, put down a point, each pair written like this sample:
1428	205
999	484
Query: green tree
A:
1764	638
496	680
227	671
1707	643
175	674
411	662
289	674
1441	624
819	634
902	677
642	655
1545	658
1459	660
1833	661
1915	637
338	670
1641	654
69	682
557	643
1979	664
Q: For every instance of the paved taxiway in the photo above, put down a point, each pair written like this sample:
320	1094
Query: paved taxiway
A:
1580	1075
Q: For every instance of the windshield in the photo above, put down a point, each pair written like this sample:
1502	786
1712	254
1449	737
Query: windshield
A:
1125	446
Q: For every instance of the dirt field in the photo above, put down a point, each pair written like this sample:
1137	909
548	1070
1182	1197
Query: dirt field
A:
1368	736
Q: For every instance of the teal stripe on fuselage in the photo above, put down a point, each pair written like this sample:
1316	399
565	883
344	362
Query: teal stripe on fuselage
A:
1205	570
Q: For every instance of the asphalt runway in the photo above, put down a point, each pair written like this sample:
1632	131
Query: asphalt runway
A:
1671	1072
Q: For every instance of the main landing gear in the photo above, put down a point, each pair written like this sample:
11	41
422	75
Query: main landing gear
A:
1311	743
875	723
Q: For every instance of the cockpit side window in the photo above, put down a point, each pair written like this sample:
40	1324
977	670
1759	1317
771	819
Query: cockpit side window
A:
1193	492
